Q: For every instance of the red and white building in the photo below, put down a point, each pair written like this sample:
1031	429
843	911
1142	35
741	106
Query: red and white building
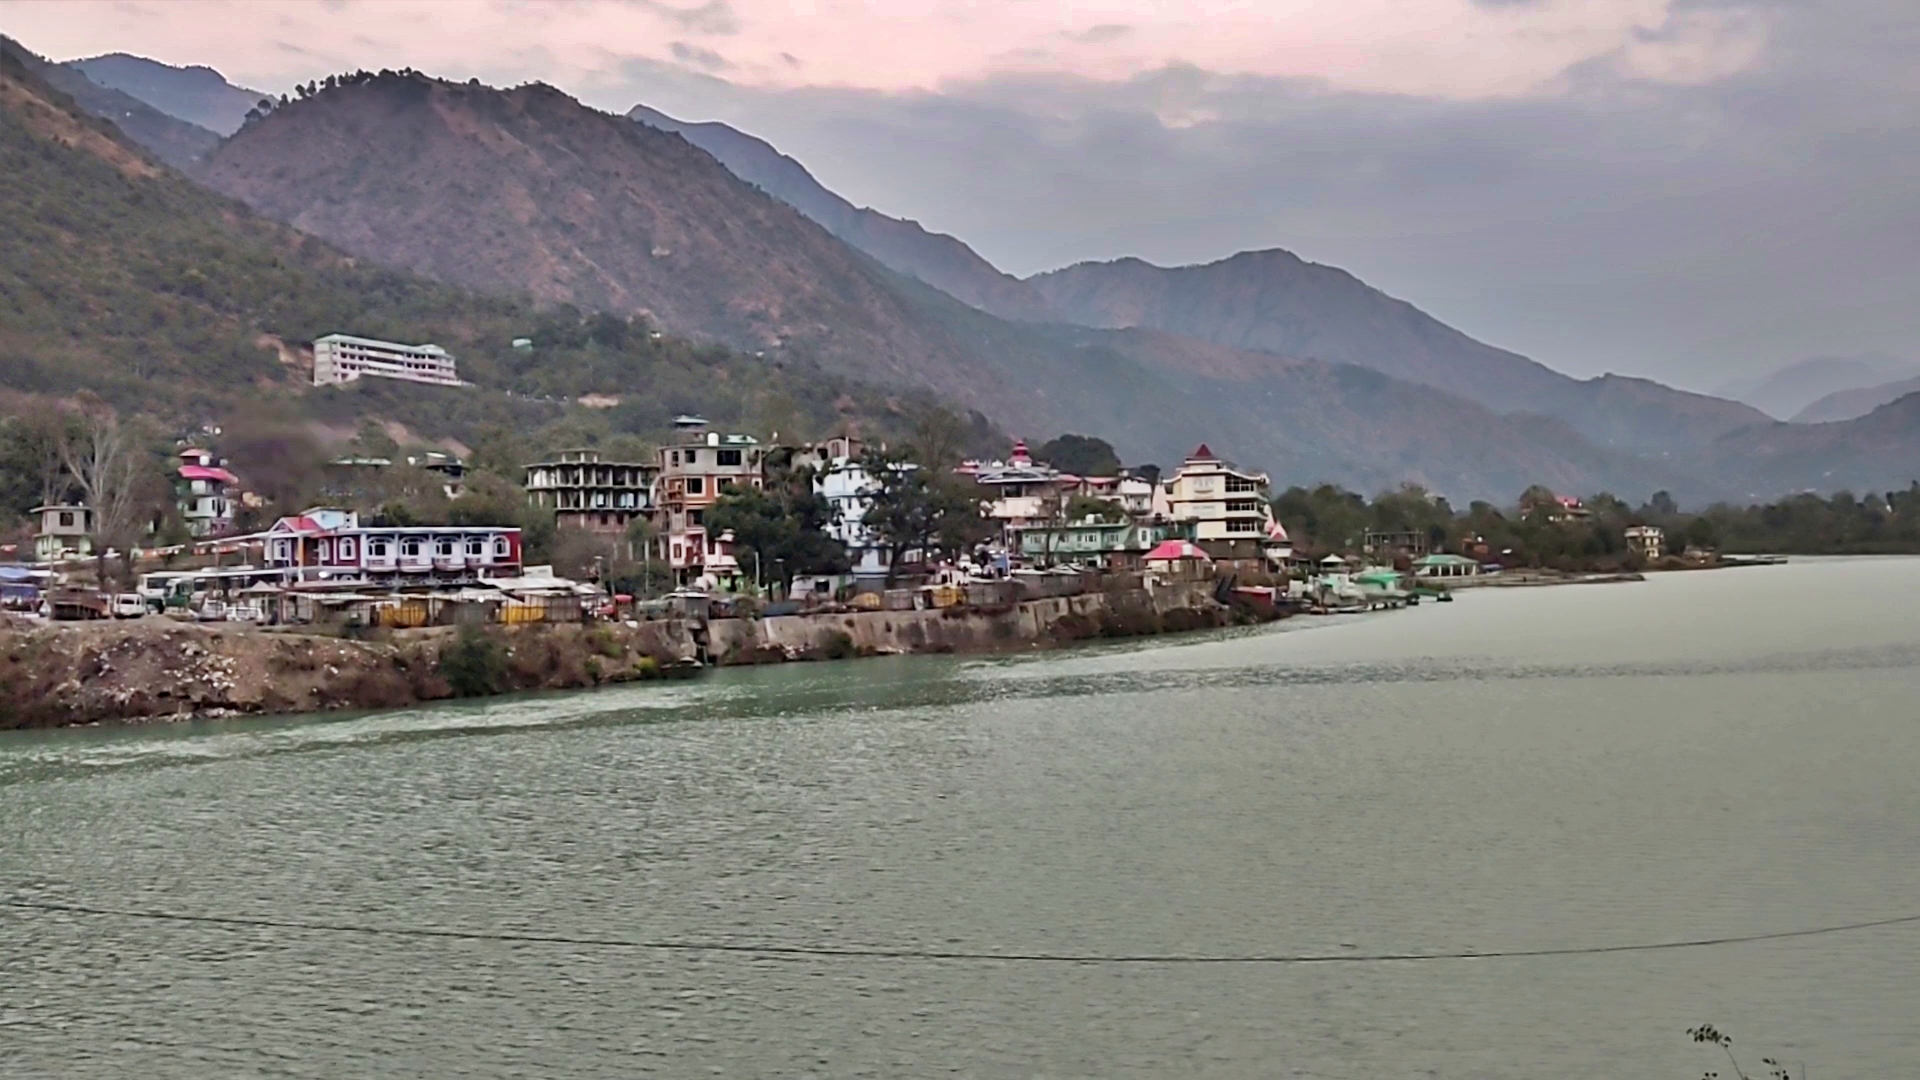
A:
204	490
332	546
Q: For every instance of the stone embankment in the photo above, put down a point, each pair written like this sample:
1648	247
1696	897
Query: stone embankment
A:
1118	613
157	669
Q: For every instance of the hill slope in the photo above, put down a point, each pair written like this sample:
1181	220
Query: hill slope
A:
121	277
939	260
199	95
172	140
1276	302
1876	452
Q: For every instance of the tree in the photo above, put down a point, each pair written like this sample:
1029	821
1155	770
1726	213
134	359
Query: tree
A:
912	509
938	440
1081	455
105	461
780	529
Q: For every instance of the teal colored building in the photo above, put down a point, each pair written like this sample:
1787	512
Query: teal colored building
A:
1110	545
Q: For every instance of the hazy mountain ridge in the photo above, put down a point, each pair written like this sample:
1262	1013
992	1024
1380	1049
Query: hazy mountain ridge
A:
171	139
1848	404
938	259
199	94
1787	391
1277	302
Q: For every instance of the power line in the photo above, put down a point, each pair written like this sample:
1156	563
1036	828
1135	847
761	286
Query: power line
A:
862	952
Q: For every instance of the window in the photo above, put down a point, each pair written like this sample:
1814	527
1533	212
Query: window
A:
727	457
677	552
476	547
696	485
696	517
379	549
1243	506
500	549
693	457
675	457
1243	525
444	547
346	549
66	517
410	547
1240	484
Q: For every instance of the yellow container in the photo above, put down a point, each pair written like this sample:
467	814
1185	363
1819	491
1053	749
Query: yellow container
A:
515	612
946	595
867	601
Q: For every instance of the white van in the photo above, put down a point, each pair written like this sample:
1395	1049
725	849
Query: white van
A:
128	605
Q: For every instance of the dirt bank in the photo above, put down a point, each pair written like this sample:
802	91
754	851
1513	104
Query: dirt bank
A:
159	669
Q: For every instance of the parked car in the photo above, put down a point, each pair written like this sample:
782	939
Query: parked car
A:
244	611
128	605
212	610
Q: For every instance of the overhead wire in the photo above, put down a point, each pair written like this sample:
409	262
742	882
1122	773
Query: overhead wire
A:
868	952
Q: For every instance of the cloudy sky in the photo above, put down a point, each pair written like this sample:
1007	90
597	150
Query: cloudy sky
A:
1686	189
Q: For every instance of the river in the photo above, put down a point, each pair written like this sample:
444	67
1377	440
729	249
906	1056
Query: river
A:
1697	756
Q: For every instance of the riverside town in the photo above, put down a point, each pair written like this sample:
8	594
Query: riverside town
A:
968	538
727	547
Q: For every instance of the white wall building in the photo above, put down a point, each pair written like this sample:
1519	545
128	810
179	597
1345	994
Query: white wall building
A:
841	480
1218	502
341	358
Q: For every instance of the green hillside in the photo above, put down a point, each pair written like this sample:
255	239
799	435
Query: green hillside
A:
121	277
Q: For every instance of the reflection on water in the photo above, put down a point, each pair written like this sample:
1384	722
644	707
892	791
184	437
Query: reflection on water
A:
1697	756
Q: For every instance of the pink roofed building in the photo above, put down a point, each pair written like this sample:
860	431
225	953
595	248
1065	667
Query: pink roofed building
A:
205	493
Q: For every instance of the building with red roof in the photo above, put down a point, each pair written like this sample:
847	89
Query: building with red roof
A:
204	491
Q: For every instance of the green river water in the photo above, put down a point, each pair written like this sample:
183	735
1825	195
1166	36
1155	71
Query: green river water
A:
1696	756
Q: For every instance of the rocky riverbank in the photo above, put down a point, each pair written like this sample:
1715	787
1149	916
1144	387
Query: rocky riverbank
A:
156	669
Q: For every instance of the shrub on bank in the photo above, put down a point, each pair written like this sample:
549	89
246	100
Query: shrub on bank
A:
474	664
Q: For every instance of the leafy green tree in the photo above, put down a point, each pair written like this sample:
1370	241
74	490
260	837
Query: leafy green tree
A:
780	529
1081	455
913	508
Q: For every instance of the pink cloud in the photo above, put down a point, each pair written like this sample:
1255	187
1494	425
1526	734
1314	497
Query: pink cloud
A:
1460	49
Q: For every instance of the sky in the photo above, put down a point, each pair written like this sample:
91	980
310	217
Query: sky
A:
1691	190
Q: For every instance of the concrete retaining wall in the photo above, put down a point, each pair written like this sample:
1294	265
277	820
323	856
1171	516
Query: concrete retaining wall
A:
1182	606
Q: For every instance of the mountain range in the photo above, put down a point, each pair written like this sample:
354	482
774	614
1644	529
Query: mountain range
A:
198	95
1791	392
1268	301
1847	404
712	233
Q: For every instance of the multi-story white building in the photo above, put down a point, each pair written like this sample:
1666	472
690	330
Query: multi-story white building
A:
1223	506
341	358
841	479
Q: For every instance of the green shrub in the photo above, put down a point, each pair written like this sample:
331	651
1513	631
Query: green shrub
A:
474	664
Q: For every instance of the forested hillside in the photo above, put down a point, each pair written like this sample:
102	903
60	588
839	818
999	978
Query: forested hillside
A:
123	278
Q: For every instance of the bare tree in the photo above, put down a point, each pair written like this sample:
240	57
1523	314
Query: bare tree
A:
103	459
